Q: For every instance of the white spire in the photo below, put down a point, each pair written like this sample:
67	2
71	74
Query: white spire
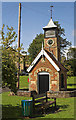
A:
50	24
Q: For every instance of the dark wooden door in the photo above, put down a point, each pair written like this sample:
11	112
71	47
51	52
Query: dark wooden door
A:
43	83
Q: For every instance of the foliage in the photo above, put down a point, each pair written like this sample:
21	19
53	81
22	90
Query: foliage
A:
71	53
9	69
35	46
9	58
61	36
63	59
70	64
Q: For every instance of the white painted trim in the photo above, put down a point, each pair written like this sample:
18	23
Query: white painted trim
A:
51	61
42	52
43	73
35	60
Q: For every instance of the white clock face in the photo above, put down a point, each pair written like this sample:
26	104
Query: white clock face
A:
50	42
50	33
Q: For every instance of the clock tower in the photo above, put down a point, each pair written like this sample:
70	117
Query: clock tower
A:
46	73
51	42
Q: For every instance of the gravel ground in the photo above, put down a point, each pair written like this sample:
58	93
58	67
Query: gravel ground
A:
5	90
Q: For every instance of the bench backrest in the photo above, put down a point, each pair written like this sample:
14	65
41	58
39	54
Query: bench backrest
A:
40	98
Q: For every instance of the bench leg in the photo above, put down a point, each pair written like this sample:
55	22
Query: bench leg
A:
55	104
43	110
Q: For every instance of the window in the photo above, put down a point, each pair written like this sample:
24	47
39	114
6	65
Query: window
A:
62	80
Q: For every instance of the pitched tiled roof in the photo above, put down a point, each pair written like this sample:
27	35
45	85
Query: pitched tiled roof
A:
43	52
56	61
57	65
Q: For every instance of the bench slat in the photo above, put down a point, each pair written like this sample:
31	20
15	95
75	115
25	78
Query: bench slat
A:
38	105
50	102
44	104
40	100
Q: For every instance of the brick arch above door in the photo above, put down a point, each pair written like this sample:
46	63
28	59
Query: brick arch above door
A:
43	69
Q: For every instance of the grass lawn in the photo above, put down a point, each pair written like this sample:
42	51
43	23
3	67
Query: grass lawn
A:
12	108
24	82
11	105
71	82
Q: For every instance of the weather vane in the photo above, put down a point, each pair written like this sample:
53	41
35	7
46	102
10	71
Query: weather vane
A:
51	10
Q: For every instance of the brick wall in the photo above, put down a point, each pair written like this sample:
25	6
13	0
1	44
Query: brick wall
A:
54	48
43	65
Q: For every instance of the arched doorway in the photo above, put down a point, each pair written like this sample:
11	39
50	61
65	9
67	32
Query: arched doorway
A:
43	82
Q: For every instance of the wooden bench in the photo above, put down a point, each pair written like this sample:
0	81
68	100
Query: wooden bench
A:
40	101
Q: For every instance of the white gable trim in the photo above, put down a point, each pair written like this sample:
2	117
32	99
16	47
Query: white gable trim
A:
47	56
35	60
51	61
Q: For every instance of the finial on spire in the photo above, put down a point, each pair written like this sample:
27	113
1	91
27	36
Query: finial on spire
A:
51	11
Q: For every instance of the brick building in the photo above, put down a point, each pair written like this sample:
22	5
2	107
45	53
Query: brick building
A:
46	73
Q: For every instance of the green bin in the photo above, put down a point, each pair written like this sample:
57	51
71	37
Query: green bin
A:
27	107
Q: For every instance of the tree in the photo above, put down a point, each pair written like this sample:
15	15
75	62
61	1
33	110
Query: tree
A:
71	53
63	59
61	34
35	46
70	64
9	58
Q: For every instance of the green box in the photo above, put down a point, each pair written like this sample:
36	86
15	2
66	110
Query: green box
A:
27	107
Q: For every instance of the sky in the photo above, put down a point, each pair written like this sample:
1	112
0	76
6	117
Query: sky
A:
36	15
